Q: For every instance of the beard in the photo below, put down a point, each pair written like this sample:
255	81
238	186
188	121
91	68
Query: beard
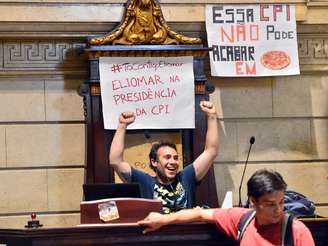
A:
163	177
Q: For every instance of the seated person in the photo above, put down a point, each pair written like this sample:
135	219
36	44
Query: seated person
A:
175	189
266	193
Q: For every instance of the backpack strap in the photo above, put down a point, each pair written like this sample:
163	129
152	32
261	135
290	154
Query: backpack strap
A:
287	230
243	223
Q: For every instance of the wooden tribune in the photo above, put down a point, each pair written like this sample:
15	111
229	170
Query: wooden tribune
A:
98	169
143	32
123	210
193	234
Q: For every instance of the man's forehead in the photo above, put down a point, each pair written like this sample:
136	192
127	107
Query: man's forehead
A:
272	197
164	150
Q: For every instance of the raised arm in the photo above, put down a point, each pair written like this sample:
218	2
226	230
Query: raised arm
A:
121	167
206	158
154	221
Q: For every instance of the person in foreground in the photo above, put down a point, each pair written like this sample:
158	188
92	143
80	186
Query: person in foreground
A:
175	189
266	193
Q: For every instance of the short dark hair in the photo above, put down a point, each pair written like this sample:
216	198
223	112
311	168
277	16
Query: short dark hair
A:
153	155
265	181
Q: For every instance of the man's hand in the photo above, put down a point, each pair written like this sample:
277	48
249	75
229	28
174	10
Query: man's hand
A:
207	107
127	118
152	222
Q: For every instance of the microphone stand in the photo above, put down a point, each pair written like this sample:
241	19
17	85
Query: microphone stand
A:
251	141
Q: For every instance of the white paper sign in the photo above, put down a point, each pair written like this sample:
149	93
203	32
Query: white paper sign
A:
159	90
252	40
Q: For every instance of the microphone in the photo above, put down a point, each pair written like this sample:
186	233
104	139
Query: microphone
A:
251	142
147	134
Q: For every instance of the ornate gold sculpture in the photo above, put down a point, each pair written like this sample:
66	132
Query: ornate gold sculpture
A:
143	24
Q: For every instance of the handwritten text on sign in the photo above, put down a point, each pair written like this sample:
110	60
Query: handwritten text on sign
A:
159	90
252	40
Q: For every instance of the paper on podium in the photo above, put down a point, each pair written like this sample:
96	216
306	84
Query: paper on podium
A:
227	201
117	210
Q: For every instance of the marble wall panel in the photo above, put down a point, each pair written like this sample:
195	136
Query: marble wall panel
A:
65	189
300	96
244	98
62	101
105	11
47	220
4	190
21	100
61	13
3	155
23	191
228	148
322	210
319	134
45	145
280	139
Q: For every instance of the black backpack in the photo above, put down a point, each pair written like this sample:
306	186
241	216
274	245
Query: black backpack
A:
286	230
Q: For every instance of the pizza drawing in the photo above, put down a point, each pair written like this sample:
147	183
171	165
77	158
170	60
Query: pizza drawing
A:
275	60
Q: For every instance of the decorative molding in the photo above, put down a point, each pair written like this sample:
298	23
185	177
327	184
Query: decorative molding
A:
313	53
64	56
313	50
317	3
41	55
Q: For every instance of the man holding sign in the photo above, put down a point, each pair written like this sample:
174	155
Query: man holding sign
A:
175	189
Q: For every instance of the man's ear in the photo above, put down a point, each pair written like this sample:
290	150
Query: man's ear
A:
253	201
153	163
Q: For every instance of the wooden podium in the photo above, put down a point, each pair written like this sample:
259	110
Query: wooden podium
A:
195	234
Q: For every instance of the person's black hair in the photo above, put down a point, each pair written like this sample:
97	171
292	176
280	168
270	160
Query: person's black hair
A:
265	181
153	154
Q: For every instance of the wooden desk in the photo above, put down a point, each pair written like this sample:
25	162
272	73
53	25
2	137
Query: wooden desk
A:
130	234
119	234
